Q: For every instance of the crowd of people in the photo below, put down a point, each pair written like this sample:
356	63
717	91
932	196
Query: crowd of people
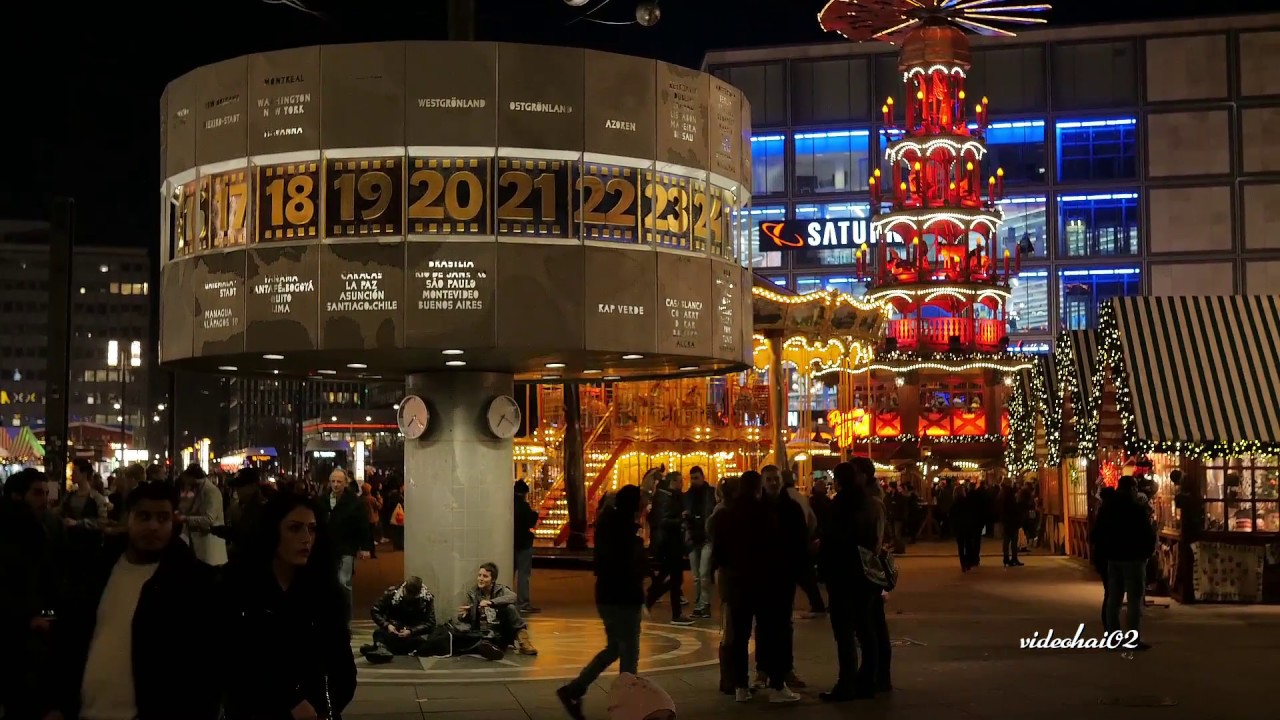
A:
756	539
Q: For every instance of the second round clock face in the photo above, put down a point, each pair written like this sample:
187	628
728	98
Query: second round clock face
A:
504	417
413	417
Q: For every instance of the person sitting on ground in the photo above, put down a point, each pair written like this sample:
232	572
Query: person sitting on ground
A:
491	616
405	617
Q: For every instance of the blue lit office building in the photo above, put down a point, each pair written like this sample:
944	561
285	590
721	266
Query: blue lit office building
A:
1138	158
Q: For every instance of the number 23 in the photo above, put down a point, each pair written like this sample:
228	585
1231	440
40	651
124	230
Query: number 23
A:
657	218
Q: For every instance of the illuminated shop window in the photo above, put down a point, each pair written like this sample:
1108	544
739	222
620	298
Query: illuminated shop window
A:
843	257
1028	308
1026	223
843	283
1098	225
779	280
1017	147
1241	494
768	164
751	252
832	161
1081	291
1097	149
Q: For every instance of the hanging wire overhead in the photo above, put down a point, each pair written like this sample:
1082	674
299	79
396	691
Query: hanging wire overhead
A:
647	13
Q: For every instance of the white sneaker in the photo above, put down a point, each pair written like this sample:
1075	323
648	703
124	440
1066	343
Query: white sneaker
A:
785	695
742	695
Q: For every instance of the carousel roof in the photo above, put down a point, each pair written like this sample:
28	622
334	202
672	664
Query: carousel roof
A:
825	331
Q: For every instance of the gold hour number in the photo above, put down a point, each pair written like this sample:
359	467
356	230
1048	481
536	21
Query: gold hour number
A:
523	184
456	205
291	200
287	201
668	209
595	190
373	187
230	203
364	196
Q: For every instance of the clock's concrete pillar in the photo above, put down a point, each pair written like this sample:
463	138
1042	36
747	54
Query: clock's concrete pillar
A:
458	486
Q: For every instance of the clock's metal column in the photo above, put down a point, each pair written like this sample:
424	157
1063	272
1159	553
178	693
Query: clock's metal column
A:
458	496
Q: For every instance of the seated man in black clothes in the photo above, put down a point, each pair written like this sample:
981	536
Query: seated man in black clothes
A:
406	618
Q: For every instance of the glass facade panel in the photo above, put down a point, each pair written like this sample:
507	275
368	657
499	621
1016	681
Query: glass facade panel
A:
1081	290
1028	308
779	280
832	161
844	257
1017	147
769	164
830	91
1098	225
752	255
764	87
1097	149
1013	78
1026	223
843	283
1095	75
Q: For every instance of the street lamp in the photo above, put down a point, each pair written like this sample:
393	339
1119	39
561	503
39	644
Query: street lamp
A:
116	361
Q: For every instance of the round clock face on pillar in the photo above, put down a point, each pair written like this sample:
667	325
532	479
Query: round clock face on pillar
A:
503	417
413	417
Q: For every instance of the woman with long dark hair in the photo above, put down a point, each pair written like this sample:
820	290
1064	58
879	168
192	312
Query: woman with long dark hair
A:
286	608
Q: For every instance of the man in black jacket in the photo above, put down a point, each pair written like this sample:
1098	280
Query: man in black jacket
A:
405	616
793	547
620	569
699	501
1124	536
346	519
666	542
526	519
120	640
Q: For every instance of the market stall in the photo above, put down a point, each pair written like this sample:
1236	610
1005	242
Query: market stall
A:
1075	360
1196	381
1035	446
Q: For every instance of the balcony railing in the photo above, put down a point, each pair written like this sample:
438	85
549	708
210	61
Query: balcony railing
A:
935	334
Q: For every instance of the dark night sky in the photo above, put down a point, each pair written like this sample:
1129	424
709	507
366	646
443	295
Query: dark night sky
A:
84	81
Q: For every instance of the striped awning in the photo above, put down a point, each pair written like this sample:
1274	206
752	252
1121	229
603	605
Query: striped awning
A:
1201	370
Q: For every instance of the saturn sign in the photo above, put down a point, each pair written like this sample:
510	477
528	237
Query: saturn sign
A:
789	235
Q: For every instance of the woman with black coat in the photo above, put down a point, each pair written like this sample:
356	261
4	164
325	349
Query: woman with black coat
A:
283	599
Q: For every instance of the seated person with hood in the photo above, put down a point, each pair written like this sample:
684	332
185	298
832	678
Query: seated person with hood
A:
406	618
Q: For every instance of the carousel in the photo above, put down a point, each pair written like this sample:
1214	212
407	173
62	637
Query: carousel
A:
724	424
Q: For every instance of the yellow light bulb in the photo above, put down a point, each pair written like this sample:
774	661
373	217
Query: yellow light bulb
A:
978	109
984	100
884	109
969	166
919	94
991	180
999	172
889	100
916	167
872	180
877	173
953	186
961	94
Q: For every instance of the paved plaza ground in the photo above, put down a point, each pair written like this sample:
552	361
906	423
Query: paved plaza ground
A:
956	655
